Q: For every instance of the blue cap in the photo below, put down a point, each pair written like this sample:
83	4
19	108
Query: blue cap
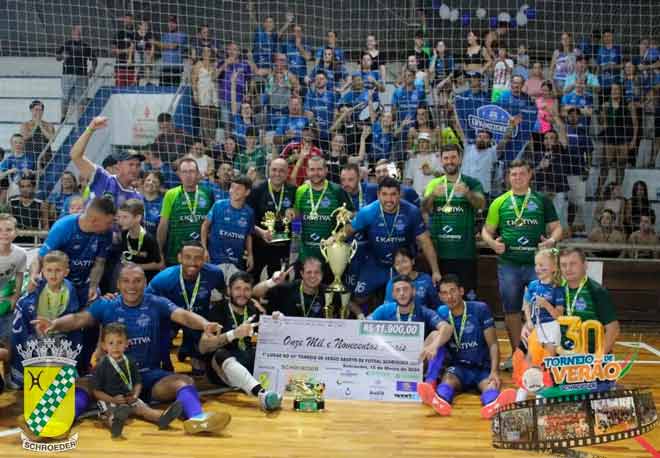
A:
127	155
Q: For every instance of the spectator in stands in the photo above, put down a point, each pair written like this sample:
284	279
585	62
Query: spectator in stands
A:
227	151
281	84
441	71
424	124
547	107
297	155
205	92
606	232
421	50
632	90
337	157
522	62
609	59
563	61
171	143
36	132
77	55
16	163
621	132
532	86
123	48
253	155
291	126
144	53
298	52
475	91
155	164
382	138
331	42
516	97
612	199
174	46
29	212
378	61
204	162
58	202
407	98
242	114
578	98
334	71
580	147
320	105
648	64
356	101
153	201
201	41
421	77
265	39
502	72
370	77
424	165
582	72
637	205
476	58
644	235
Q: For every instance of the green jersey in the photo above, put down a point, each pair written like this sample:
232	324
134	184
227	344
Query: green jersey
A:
185	218
256	159
593	302
315	207
521	232
452	226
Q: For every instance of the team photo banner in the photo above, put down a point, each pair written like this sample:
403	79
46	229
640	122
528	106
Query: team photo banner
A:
360	360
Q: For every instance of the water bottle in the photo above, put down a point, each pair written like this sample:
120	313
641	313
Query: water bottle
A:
296	231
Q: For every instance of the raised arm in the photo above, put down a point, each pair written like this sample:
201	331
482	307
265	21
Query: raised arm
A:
84	165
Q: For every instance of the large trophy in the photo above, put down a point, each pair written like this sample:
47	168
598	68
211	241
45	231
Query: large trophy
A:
338	254
278	226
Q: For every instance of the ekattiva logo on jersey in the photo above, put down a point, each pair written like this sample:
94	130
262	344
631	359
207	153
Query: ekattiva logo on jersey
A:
230	235
526	222
492	118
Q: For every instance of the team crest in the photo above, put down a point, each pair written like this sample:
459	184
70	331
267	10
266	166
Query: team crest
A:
49	374
531	206
325	203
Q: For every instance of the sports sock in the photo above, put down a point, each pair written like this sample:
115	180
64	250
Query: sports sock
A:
81	401
446	392
489	396
237	375
435	367
189	399
257	389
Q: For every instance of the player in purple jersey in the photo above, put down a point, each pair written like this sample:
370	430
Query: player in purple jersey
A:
141	313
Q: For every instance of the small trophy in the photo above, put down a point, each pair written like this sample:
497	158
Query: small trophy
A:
278	226
308	395
338	254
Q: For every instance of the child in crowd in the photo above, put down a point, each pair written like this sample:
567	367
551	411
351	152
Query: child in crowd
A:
138	246
117	385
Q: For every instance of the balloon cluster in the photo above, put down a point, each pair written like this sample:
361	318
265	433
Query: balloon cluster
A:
525	14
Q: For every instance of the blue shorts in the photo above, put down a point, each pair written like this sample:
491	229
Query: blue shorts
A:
149	378
470	377
372	277
512	280
352	274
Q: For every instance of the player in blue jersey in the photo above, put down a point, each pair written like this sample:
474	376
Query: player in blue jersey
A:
190	285
388	223
426	293
472	355
86	240
142	314
227	229
403	308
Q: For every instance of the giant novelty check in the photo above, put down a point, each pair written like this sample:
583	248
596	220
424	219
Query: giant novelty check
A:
362	360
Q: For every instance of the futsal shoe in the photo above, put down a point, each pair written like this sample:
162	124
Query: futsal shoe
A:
214	422
119	415
442	407
426	391
506	397
270	401
171	413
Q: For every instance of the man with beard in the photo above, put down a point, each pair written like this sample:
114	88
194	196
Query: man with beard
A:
298	154
451	201
230	355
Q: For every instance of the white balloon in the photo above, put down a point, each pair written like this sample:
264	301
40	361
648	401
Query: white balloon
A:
504	17
481	13
521	19
445	12
453	17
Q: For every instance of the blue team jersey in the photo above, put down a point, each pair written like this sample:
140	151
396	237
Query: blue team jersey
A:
410	195
387	312
142	325
104	184
27	162
61	202
297	63
443	67
381	143
369	194
406	102
365	75
265	44
395	231
576	100
294	123
425	293
217	191
229	229
553	294
608	56
240	129
473	350
152	214
323	107
82	247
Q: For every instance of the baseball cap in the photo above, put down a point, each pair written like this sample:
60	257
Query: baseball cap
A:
128	154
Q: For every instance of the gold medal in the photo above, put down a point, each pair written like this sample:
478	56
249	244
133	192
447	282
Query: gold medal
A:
446	209
519	222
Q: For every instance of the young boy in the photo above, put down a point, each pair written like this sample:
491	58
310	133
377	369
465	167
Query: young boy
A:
138	246
227	229
12	267
117	385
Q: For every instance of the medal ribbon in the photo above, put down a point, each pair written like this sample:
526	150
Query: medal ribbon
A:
410	314
192	206
278	205
184	293
519	213
389	230
129	249
315	208
125	377
570	304
450	196
459	337
302	301
241	341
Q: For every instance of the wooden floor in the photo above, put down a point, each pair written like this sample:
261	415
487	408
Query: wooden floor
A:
346	428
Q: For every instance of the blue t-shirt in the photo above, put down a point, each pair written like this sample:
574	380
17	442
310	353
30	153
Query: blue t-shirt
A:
333	75
631	91
229	230
142	325
369	194
323	107
355	98
26	162
174	56
82	247
473	350
152	214
104	184
406	102
297	63
365	75
608	56
387	312
265	44
576	100
381	143
215	189
240	129
425	292
553	294
396	231
294	123
410	195
520	102
61	202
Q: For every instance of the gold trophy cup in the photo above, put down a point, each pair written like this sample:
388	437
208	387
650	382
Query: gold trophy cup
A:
338	254
278	226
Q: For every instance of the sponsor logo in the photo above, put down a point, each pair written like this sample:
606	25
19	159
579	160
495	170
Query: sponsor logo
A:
492	118
580	304
526	222
523	240
143	320
325	203
447	229
230	235
405	396
531	206
406	386
314	236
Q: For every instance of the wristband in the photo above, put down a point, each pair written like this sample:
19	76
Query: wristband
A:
230	335
89	129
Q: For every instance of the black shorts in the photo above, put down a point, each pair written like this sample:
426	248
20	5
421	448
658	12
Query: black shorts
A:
465	269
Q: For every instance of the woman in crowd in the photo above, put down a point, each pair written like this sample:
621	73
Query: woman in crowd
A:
205	93
563	61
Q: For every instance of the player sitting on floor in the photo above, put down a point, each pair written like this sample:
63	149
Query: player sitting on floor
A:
472	356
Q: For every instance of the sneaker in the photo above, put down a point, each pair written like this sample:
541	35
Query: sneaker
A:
270	400
506	365
214	422
426	392
118	417
441	406
506	397
10	384
171	413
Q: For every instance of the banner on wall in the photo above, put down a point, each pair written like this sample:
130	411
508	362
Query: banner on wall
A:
137	125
